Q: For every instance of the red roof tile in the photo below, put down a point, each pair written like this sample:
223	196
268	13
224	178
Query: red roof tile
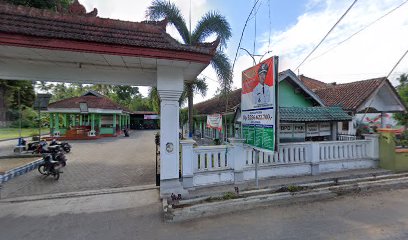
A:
92	102
217	104
349	96
89	28
311	83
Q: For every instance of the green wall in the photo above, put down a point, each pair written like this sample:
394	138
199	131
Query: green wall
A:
106	131
288	97
389	158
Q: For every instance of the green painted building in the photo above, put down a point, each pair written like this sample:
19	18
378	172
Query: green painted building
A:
303	115
88	116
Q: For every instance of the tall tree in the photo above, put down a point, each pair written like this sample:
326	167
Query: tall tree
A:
212	23
402	89
154	99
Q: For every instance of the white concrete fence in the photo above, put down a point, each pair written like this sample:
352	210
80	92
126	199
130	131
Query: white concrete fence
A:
235	162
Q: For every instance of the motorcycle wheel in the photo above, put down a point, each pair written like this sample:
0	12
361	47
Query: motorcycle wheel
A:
41	169
56	175
67	149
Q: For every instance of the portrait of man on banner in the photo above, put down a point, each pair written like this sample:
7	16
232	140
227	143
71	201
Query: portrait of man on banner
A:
261	93
258	104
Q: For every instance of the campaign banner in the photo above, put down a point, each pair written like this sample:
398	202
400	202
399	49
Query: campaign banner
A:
258	104
151	117
214	121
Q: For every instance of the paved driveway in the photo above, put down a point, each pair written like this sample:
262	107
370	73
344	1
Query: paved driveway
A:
104	163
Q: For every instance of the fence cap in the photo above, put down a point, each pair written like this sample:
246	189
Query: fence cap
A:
187	141
384	130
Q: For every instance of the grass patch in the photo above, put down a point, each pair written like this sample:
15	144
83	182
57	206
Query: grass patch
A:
8	133
225	196
291	188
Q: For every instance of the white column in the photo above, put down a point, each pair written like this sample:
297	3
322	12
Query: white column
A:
374	145
383	118
187	158
314	157
334	131
169	86
236	156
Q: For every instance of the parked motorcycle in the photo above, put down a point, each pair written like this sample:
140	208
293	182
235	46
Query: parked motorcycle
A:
126	132
64	145
53	162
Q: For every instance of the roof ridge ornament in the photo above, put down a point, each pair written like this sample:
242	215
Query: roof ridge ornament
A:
161	24
78	9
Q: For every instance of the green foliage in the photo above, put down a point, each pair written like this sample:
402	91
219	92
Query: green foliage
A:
212	23
183	116
12	89
229	195
125	94
217	141
402	139
402	89
29	118
154	99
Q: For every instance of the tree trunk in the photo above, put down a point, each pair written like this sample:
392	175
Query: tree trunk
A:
190	110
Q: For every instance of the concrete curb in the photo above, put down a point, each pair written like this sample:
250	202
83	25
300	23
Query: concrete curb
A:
80	194
191	211
20	156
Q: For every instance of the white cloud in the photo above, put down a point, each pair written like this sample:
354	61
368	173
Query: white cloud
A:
135	10
371	53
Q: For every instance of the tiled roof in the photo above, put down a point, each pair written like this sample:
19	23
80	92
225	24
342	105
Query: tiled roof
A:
92	102
349	96
217	104
312	114
311	83
145	112
79	26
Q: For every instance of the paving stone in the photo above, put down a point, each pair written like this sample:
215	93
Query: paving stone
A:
103	163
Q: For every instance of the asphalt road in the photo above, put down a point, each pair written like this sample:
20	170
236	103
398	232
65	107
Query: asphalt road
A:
136	215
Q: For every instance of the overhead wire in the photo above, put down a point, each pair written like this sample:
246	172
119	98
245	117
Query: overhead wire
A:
270	24
327	34
242	34
253	53
362	29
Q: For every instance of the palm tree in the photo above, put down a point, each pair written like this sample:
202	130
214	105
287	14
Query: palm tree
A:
212	23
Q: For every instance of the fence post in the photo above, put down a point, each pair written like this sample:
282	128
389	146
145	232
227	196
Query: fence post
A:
314	158
237	158
187	158
374	145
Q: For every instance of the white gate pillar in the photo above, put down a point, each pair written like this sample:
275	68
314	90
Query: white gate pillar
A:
169	86
383	119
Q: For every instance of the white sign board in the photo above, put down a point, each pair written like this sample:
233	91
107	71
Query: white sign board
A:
312	129
299	130
286	130
324	129
214	121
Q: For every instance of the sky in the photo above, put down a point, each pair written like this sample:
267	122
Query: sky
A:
291	29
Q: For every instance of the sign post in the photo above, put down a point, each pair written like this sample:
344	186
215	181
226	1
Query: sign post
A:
259	107
41	103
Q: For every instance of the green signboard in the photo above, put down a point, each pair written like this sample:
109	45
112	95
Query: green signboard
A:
258	104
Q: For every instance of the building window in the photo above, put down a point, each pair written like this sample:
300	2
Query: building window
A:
345	126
